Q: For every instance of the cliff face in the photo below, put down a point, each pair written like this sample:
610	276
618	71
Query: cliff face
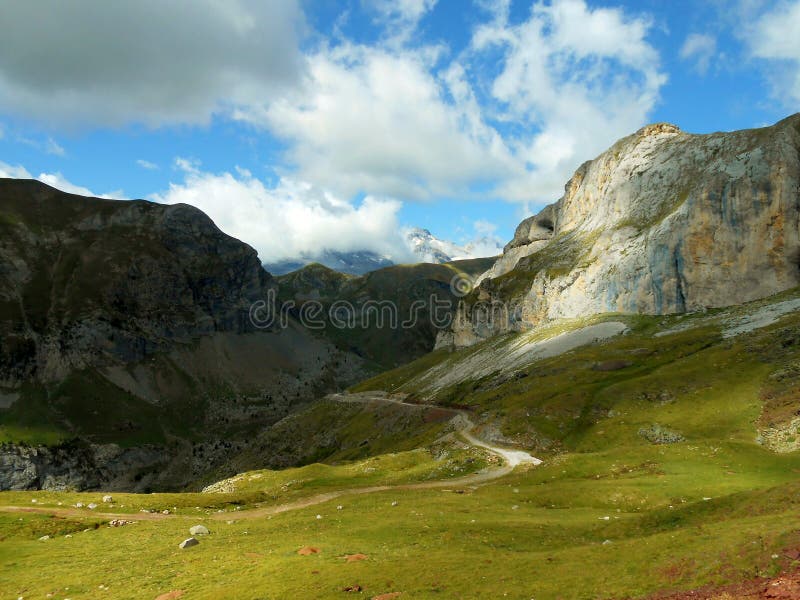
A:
85	282
662	222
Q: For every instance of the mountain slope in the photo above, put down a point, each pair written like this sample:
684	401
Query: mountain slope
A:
395	312
661	222
126	325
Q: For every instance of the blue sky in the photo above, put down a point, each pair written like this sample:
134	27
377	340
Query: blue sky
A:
328	123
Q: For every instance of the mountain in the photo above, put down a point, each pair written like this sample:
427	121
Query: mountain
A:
662	222
351	263
125	326
129	357
428	248
422	245
397	310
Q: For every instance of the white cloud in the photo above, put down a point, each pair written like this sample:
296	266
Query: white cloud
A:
577	78
700	48
403	122
54	148
775	37
401	17
147	165
56	180
377	121
14	172
109	63
48	146
290	220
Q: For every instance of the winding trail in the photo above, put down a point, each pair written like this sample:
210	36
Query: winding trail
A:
464	427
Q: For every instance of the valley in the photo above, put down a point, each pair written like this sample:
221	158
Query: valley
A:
609	410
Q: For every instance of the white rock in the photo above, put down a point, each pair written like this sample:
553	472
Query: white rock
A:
108	499
198	530
92	506
44	538
188	543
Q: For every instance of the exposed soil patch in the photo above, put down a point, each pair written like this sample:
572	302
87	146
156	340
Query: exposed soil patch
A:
783	587
355	557
173	595
308	551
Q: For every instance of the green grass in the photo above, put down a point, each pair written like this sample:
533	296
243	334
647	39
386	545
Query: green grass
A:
608	514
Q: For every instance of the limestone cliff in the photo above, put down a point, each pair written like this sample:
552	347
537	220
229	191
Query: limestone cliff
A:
662	222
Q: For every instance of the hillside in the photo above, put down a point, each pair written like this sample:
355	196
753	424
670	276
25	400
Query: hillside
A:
124	327
670	474
127	346
409	295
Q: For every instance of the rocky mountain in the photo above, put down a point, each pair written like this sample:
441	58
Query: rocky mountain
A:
128	355
351	263
125	325
422	245
662	222
428	248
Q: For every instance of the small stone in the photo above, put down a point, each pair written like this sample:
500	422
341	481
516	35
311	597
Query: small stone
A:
165	512
515	507
44	538
188	543
340	507
92	506
319	517
606	543
34	500
199	530
394	503
79	505
108	499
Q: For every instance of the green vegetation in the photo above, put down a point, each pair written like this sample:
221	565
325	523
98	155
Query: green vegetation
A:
610	513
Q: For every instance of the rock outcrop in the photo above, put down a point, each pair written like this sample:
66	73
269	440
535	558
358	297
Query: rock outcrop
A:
662	222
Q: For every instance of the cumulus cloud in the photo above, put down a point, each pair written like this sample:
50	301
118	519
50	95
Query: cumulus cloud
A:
699	48
377	121
110	63
56	180
773	37
404	122
577	78
291	219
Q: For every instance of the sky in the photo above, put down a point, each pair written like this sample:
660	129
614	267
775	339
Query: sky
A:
334	124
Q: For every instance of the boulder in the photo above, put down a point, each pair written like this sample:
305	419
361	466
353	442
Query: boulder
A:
188	543
199	530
